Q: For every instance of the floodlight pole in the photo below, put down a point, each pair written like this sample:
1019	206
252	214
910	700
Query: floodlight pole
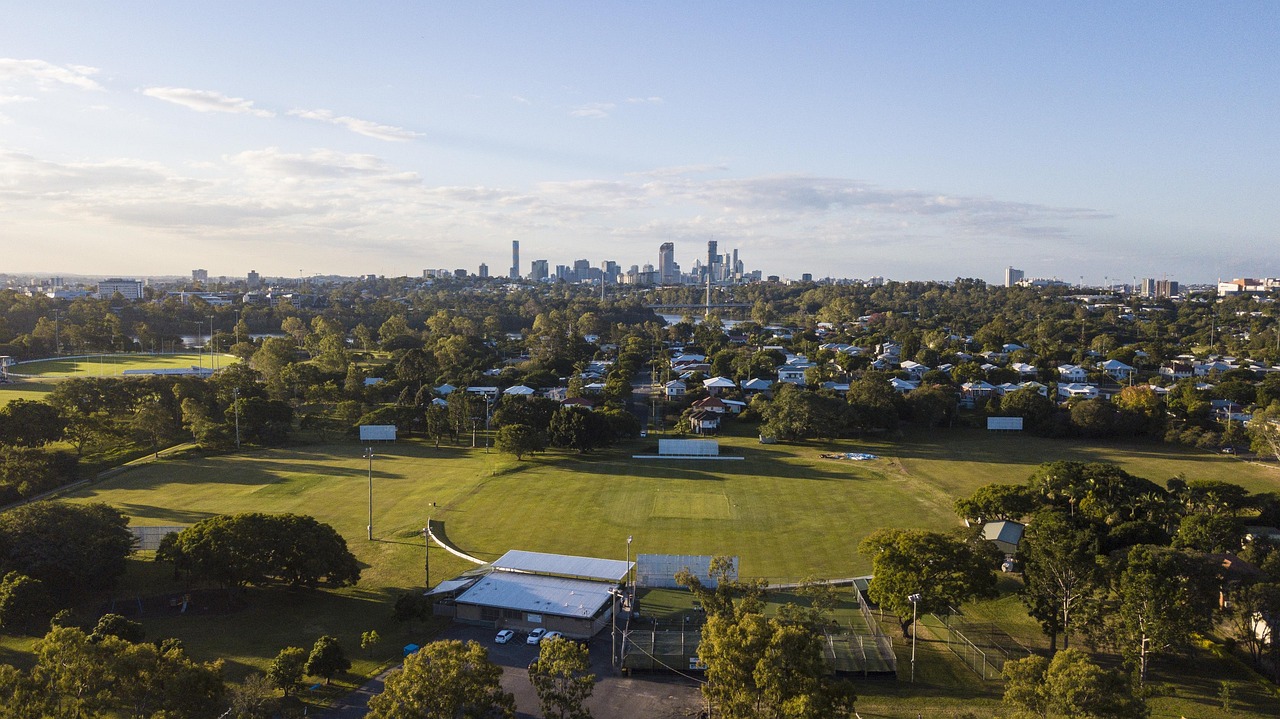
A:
915	602
626	584
235	402
368	454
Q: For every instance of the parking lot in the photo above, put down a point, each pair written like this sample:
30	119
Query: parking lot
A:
640	696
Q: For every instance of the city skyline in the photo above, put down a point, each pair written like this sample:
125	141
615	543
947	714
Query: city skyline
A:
845	140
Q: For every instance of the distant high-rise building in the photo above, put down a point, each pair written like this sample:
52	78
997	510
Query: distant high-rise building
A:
484	270
538	270
1012	276
129	289
667	271
460	274
806	277
252	279
581	270
515	260
1158	289
199	275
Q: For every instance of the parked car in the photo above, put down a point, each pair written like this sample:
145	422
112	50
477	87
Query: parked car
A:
504	636
535	636
552	635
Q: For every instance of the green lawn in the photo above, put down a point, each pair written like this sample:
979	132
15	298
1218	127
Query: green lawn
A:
114	364
23	389
784	510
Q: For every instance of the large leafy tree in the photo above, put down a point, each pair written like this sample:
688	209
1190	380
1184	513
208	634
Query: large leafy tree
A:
994	502
1071	685
562	679
445	680
253	548
1161	597
579	429
1061	571
28	423
287	668
520	439
944	571
69	547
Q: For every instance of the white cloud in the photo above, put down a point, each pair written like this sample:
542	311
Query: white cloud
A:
47	75
645	100
10	99
360	127
593	110
521	99
205	101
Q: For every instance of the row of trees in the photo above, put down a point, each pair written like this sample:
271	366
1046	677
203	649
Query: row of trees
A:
1129	565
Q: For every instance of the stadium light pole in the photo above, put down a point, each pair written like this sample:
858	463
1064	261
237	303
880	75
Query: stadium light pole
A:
368	454
915	602
626	584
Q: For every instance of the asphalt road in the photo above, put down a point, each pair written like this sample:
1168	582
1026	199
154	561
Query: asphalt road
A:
641	696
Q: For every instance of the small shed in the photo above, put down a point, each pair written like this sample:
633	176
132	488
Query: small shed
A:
1005	535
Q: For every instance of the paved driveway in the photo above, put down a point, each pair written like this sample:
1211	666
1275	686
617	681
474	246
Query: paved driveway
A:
641	696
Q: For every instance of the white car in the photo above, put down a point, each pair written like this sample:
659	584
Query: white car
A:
535	636
504	636
552	635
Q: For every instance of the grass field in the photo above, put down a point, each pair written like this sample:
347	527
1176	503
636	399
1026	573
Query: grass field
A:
784	510
115	364
23	389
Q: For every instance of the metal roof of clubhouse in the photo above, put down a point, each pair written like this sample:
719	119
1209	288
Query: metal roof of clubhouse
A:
563	565
539	594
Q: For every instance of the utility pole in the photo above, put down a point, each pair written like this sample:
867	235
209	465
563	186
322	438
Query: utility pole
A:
368	454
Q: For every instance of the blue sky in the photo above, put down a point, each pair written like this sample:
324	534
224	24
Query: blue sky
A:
851	139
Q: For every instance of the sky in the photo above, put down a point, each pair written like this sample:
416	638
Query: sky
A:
1094	141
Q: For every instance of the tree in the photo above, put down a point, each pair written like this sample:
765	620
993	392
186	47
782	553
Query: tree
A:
253	548
69	547
1071	685
1163	596
153	424
943	571
996	502
930	405
368	640
579	429
873	404
1024	687
1035	409
1210	533
1250	606
28	423
287	668
1265	430
1060	571
120	627
253	698
519	439
561	679
327	659
24	603
445	680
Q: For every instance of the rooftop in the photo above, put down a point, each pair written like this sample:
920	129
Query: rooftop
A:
564	565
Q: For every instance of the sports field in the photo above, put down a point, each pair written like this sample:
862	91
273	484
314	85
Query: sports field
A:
23	389
114	364
784	510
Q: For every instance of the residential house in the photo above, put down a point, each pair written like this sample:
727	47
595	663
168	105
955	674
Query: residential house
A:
675	388
1006	535
755	385
1075	390
704	422
915	369
715	385
902	386
1070	373
1176	370
1024	370
1117	369
710	404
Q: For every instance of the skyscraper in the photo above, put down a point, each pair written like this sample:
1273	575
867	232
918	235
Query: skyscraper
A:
484	270
667	262
515	260
1012	276
538	270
